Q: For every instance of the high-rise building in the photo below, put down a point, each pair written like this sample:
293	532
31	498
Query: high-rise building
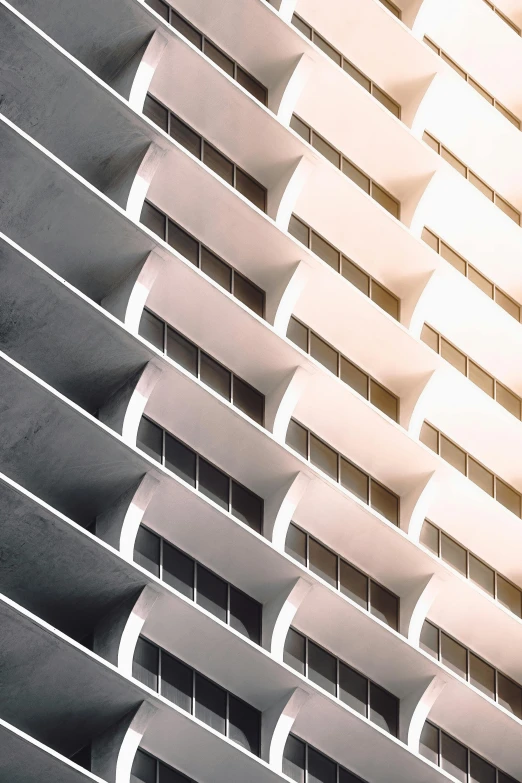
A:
260	305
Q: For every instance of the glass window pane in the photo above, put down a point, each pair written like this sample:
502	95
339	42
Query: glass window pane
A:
387	301
299	230
383	399
244	724
219	57
211	703
353	583
453	355
356	175
453	161
384	709
296	544
176	682
453	655
480	185
354	480
384	605
325	250
251	189
248	399
354	377
251	85
507	496
430	437
324	353
216	269
219	164
480	281
157	113
297	438
213	483
320	768
453	553
454	757
509	695
186	245
507	209
245	615
430	337
150	439
481	574
356	74
325	47
143	768
180	459
169	775
322	561
301	128
348	777
185	28
160	7
509	596
386	201
480	771
182	351
215	375
323	457
481	90
503	778
507	304
294	758
247	507
384	501
386	101
452	454
295	651
453	258
430	238
145	663
151	329
429	639
153	219
147	550
508	400
481	378
178	570
355	276
248	293
429	537
184	135
322	668
212	592
431	45
298	333
429	743
507	114
453	65
480	476
326	149
353	689
431	142
482	675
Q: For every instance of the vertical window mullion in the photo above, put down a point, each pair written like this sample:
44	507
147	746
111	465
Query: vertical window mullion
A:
198	363
368	699
227	711
163	441
159	668
195	581
199	255
193	704
161	560
307	550
228	603
197	471
165	338
229	494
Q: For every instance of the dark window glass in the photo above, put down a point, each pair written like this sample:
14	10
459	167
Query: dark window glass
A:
147	550
385	502
185	29
157	113
251	85
248	293
348	777
185	136
509	596
353	689
503	778
298	333
247	507
453	454
324	353
356	175
212	593
215	268
186	245
297	438
178	570
215	375
180	459
182	351
243	724
509	695
320	768
429	537
453	655
150	439
211	703
480	771
219	57
325	250
453	553
213	483
176	682
300	127
454	757
221	165
161	8
355	276
294	756
326	48
251	189
323	457
354	479
354	584
299	230
385	300
143	768
384	605
429	639
145	664
245	615
326	149
248	400
322	561
481	574
295	651
482	675
152	329
429	743
169	775
296	544
153	219
507	496
383	709
383	399
354	377
322	668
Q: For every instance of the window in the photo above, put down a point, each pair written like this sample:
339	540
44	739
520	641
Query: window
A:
301	760
350	271
465	463
205	477
340	60
391	8
385	199
478	279
199	255
185	353
222	60
340	680
504	18
148	769
336	466
475	180
470	566
205	151
199	696
481	91
505	397
342	575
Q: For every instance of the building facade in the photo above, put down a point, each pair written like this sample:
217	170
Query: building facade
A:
260	486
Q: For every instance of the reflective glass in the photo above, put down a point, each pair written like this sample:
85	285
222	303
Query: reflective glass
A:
322	561
295	651
247	507
180	459
211	703
322	668
147	550
216	376
178	570
182	351
176	682
353	689
212	592
213	483
384	605
296	544
353	584
323	457
244	724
